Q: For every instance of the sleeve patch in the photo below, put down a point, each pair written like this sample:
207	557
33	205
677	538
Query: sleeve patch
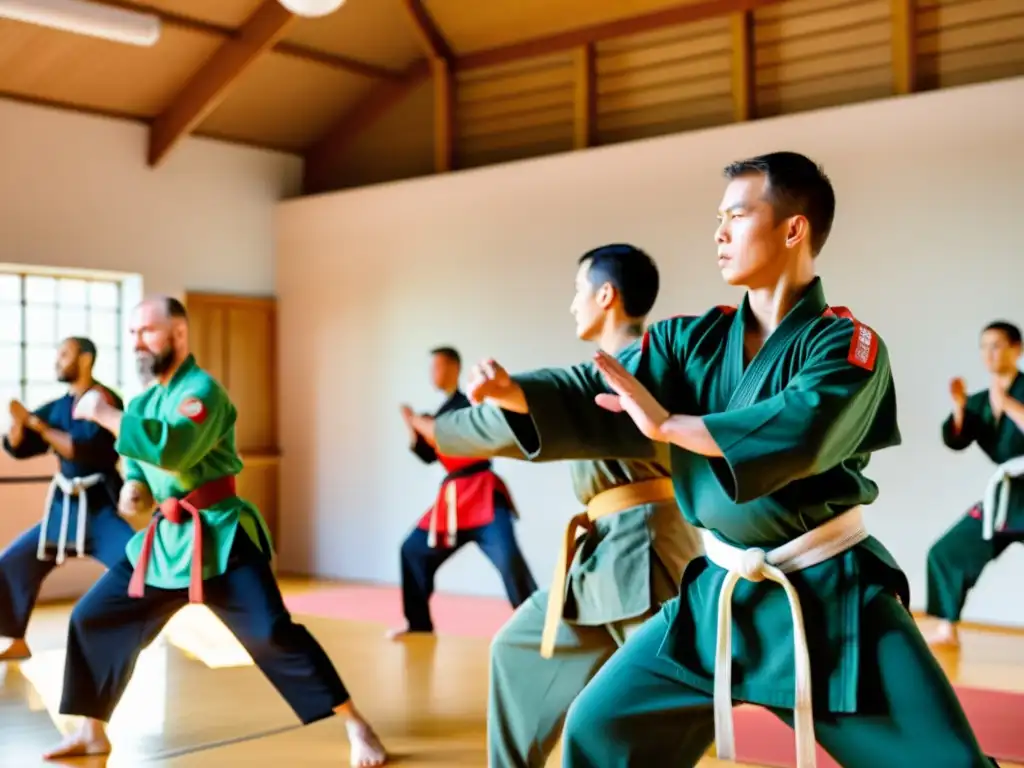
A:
863	347
192	408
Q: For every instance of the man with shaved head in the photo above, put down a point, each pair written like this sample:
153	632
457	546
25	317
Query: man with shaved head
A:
80	512
204	544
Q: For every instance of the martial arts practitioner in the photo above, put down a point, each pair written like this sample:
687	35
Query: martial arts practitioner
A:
472	504
80	515
771	411
177	440
625	565
994	419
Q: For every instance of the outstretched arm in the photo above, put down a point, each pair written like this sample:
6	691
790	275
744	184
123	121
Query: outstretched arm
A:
482	431
557	413
174	442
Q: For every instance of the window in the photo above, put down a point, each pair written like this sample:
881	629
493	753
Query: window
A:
37	312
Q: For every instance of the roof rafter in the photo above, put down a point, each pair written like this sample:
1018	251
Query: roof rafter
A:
354	122
208	87
442	66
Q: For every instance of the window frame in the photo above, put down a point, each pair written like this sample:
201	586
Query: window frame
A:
24	384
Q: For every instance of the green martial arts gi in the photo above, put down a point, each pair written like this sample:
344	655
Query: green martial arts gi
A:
956	560
627	563
205	544
796	425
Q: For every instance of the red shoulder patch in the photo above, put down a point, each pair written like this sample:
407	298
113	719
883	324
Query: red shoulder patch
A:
843	312
863	345
725	309
645	343
192	408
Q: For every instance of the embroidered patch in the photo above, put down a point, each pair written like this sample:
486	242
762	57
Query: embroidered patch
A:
193	410
863	347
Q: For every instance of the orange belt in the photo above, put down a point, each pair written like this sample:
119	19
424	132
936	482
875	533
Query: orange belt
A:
604	504
174	510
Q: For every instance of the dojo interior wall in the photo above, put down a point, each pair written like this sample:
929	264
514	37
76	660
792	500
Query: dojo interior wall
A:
925	248
76	193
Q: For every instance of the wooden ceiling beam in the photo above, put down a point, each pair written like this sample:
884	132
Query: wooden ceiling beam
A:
597	33
433	42
208	87
744	89
904	46
585	97
442	66
334	61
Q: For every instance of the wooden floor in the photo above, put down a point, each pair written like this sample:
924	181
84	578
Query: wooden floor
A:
208	706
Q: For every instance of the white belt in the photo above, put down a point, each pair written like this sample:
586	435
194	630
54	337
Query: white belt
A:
993	515
76	486
451	504
824	542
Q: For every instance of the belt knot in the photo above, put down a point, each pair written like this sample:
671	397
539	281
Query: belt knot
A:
752	564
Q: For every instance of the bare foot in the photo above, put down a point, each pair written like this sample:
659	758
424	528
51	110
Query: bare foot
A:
944	635
90	739
18	650
366	749
401	632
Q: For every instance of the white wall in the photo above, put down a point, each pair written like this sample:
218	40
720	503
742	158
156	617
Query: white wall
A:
75	192
925	248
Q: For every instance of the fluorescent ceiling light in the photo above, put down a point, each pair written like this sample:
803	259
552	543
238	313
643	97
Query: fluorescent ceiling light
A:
83	18
312	8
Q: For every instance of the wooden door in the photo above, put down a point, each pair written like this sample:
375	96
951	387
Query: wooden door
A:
235	339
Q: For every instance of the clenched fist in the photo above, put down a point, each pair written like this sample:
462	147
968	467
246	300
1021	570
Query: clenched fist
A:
135	499
489	381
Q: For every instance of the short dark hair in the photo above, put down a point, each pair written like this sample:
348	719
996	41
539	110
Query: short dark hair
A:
450	352
796	185
1011	331
175	308
630	271
85	346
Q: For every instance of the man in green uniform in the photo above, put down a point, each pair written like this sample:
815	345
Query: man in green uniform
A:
994	419
771	411
204	544
629	560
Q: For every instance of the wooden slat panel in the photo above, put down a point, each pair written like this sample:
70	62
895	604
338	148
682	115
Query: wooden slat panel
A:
667	118
472	25
664	82
286	102
83	71
502	109
970	41
517	147
812	54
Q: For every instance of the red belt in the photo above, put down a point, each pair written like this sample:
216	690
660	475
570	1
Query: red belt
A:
174	510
